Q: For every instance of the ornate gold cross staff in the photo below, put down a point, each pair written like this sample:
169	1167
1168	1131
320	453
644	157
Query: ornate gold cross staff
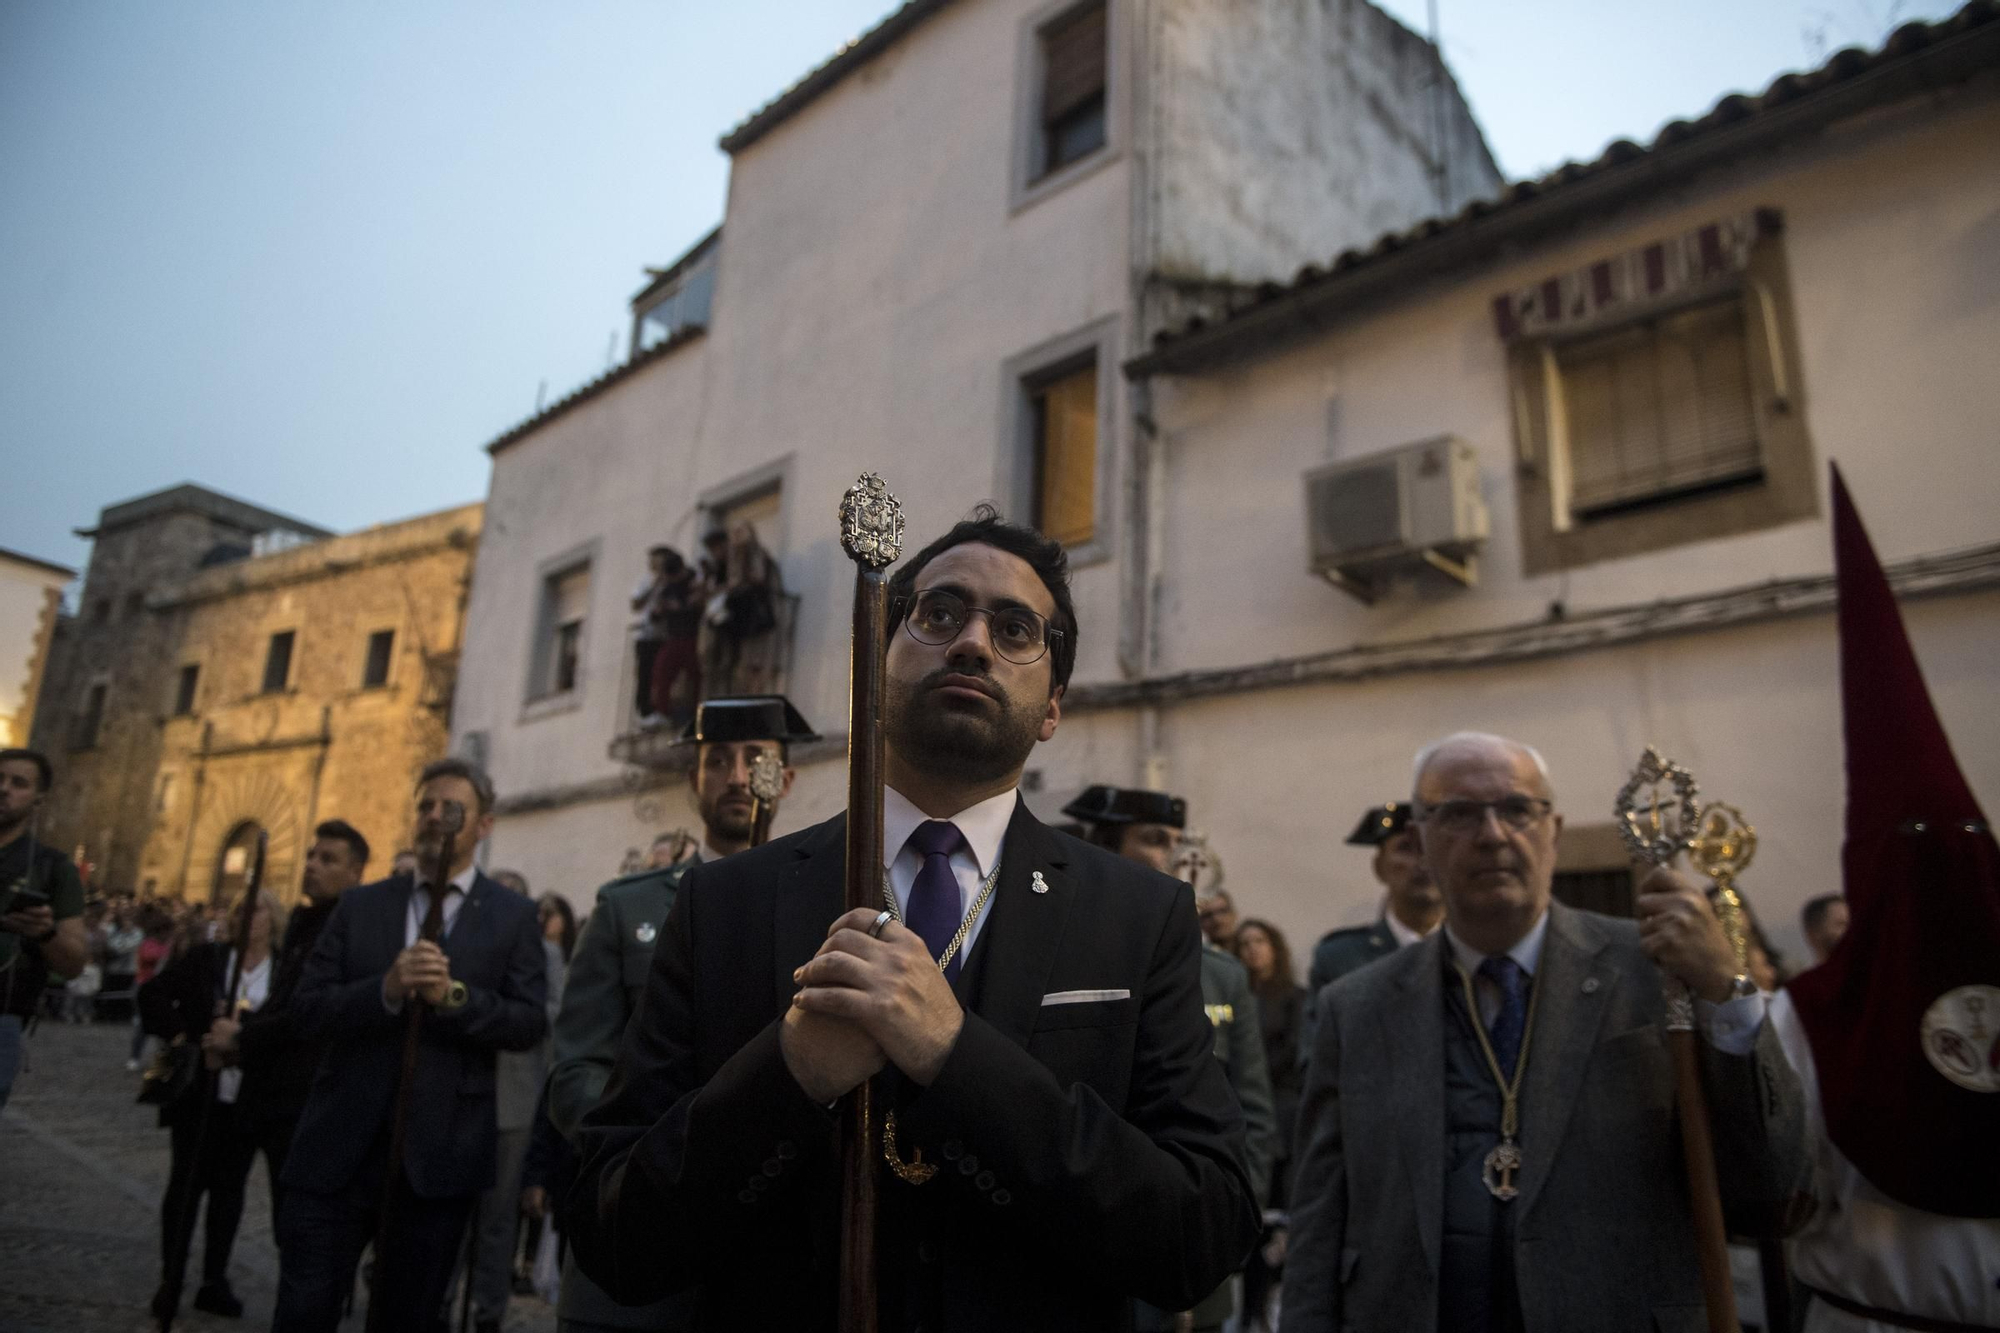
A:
767	781
871	531
1666	829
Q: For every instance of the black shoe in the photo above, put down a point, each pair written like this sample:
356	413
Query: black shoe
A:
486	1326
166	1302
217	1298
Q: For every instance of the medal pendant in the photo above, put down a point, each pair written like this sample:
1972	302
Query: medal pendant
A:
1501	1164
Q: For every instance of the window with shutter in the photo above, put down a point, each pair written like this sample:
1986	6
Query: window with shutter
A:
1065	455
1073	51
1659	410
558	655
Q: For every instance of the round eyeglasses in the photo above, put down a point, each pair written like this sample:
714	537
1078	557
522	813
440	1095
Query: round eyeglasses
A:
1018	634
1518	813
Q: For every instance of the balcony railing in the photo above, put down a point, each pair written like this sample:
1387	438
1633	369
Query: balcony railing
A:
653	747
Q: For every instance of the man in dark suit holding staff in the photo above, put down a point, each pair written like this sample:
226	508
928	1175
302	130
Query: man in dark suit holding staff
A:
1058	1136
484	983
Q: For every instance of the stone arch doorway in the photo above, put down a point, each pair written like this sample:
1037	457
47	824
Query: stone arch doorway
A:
235	861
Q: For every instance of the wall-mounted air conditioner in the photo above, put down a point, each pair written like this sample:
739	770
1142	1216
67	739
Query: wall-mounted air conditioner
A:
1413	510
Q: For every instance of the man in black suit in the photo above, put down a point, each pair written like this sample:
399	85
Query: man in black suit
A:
277	1062
484	986
1058	1134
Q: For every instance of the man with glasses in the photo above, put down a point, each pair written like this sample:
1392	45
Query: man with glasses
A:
1509	1097
1056	1137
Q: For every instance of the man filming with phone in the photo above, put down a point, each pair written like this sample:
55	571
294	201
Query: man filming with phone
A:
41	905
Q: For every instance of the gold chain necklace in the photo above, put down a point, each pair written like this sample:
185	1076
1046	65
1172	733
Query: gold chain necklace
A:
1505	1159
917	1171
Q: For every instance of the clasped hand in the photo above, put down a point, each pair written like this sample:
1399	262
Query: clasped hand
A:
29	922
218	1044
1680	932
421	970
865	1002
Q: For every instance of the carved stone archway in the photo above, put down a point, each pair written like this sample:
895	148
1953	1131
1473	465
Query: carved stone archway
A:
236	807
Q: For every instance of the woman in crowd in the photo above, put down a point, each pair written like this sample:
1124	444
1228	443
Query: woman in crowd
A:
558	923
1281	1001
158	923
209	1156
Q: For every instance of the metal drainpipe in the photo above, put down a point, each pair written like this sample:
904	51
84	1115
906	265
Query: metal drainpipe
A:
1139	646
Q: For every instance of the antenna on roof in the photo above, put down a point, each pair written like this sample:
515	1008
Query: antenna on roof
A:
611	351
541	395
1440	183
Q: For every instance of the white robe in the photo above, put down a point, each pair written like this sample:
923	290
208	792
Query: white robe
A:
1865	1246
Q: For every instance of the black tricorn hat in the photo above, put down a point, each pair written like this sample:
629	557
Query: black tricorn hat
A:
1380	824
1127	805
748	717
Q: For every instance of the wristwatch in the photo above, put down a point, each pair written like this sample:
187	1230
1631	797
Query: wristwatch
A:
1741	987
454	996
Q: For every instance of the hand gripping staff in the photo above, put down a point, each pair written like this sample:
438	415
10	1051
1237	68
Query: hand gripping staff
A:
1656	839
452	817
871	531
246	912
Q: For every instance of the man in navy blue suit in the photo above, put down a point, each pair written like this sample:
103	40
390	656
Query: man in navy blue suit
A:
484	984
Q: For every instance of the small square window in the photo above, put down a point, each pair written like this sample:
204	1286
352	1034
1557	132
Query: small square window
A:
1072	111
184	688
1063	422
278	662
381	649
557	664
89	718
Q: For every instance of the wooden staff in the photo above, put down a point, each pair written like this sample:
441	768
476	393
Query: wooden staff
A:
1657	845
871	531
452	818
246	912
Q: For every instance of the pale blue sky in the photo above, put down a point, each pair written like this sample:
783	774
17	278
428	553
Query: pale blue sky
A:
318	255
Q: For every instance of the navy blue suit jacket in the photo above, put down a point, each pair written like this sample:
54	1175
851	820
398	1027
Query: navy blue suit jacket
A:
495	947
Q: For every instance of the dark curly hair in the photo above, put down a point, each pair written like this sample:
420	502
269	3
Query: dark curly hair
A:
1042	554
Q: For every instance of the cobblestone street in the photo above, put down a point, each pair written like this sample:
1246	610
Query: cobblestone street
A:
84	1167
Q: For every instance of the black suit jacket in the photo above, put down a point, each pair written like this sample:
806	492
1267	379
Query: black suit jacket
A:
1089	1150
495	947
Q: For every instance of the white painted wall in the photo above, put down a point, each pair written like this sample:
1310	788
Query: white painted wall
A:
26	621
1892	228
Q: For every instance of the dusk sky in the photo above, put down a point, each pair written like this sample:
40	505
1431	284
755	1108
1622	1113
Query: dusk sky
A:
318	256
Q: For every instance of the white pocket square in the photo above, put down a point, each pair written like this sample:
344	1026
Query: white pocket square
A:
1083	996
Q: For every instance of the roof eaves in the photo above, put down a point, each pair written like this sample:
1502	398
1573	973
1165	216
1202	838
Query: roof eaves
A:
838	66
682	336
23	558
1916	58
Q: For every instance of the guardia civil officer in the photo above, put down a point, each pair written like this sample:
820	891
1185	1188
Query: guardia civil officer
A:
1145	826
607	976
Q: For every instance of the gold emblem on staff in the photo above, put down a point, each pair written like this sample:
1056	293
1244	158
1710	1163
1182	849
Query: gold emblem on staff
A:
871	522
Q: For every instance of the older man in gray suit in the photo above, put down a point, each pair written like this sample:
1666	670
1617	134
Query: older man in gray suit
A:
1423	1201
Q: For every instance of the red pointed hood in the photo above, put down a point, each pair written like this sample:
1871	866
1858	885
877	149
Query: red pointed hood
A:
1904	1018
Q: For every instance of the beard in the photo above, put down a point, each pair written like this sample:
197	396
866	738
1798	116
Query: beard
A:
958	739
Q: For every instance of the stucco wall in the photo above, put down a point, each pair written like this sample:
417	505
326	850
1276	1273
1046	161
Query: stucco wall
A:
1341	109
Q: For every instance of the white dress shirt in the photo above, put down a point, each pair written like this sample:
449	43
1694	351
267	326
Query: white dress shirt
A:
984	829
1731	1027
420	906
254	987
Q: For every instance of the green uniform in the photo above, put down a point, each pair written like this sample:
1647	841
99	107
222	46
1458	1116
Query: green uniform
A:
606	983
1338	953
1239	1045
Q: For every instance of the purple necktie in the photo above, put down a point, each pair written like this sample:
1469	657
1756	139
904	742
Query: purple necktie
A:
933	911
1510	1022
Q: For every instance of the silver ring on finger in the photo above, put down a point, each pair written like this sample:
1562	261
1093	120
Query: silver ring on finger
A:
882	919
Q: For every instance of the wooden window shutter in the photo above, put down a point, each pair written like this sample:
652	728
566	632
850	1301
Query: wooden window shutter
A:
1660	407
1066	462
1073	57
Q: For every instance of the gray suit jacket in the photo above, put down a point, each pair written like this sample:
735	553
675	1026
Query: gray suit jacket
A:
1603	1238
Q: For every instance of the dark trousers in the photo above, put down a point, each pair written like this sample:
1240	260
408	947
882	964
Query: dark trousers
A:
676	659
321	1237
642	684
225	1155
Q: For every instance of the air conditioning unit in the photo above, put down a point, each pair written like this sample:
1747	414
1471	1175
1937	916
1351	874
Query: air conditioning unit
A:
1413	510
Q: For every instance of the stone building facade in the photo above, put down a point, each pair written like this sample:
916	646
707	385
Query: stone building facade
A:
233	671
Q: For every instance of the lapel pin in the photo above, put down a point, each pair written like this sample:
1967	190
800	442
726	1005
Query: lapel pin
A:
1037	883
645	933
